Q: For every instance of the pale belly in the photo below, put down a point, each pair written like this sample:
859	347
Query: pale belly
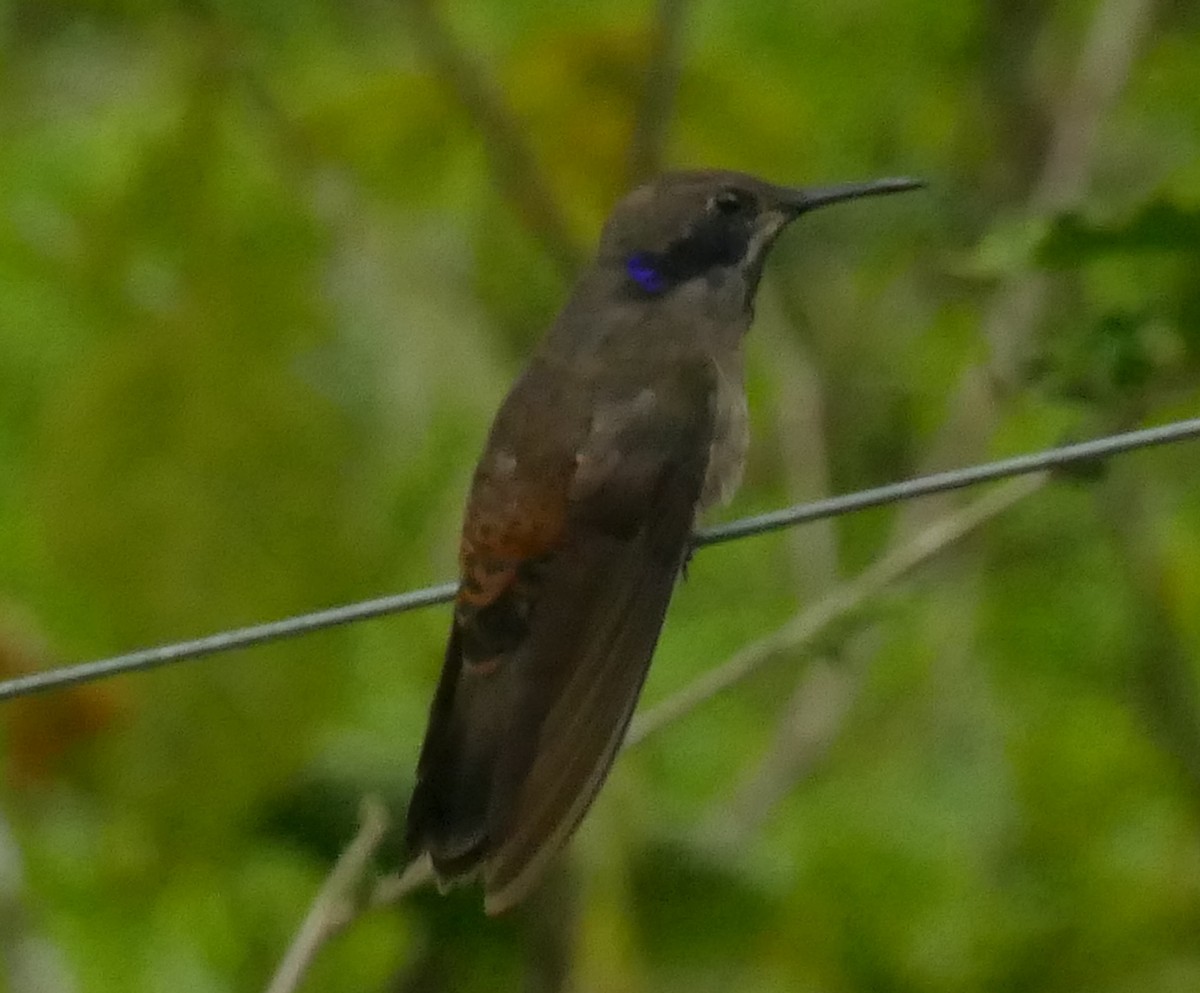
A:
731	439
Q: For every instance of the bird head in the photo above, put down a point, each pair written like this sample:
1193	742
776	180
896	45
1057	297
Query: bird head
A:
709	225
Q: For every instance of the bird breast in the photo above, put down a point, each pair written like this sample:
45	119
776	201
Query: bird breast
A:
731	437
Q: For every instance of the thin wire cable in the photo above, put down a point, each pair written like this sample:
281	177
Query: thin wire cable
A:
291	627
954	479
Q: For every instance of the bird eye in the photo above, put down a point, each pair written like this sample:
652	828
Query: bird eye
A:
731	201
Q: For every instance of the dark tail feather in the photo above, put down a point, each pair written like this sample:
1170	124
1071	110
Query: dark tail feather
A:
447	815
469	756
607	610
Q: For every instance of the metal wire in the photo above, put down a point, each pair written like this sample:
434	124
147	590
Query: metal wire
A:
291	627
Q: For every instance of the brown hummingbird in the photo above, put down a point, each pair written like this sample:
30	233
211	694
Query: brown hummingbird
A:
629	420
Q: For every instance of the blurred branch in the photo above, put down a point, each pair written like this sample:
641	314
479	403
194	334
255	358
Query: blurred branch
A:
1112	41
513	164
339	901
819	707
395	886
1116	31
840	604
658	97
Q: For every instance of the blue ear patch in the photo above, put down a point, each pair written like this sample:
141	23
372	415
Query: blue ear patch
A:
643	271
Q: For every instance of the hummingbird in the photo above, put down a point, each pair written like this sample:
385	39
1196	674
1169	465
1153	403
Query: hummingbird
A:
628	421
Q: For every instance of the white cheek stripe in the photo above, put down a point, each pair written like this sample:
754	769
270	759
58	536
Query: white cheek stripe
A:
763	235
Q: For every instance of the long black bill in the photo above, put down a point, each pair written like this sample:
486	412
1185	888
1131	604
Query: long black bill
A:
804	200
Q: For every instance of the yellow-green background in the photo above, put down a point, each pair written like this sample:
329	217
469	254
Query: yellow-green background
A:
267	266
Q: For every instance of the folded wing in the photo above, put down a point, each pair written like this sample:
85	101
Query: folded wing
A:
545	664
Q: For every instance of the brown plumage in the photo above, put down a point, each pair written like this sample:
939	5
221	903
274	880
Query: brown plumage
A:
629	420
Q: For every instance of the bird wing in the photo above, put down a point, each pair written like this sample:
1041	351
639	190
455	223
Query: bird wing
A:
549	649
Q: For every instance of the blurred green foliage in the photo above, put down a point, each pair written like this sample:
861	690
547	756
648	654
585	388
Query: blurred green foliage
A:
265	270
